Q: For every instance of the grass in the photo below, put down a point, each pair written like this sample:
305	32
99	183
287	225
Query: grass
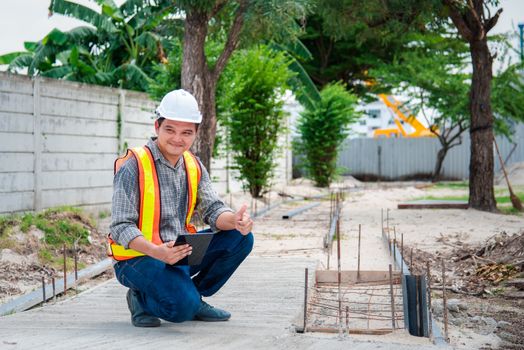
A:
104	214
501	196
455	185
57	230
56	223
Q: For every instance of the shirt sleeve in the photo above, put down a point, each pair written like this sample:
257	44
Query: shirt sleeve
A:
125	207
209	203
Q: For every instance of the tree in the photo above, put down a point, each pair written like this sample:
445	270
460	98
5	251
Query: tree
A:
473	20
255	103
323	128
431	73
240	22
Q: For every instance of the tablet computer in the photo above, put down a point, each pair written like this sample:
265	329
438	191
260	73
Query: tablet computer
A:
199	242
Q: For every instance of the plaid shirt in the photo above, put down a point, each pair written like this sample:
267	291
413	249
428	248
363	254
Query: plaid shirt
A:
173	197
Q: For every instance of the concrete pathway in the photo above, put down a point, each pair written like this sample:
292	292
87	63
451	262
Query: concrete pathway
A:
264	296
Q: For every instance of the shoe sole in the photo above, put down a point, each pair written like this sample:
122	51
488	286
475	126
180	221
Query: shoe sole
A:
211	319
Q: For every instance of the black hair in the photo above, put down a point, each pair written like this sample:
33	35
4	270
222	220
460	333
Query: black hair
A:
160	120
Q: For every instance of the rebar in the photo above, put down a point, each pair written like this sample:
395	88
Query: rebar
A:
430	316
305	298
54	289
445	301
395	252
347	319
411	261
392	297
402	253
382	220
65	269
358	264
43	289
339	273
76	264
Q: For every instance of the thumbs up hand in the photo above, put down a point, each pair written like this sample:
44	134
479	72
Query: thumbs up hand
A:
243	222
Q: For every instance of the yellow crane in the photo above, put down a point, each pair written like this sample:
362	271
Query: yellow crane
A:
419	129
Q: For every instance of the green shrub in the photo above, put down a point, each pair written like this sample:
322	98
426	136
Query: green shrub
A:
254	104
323	128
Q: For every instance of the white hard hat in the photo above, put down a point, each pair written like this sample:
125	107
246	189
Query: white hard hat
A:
181	106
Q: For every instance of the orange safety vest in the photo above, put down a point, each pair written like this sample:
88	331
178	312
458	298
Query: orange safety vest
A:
149	215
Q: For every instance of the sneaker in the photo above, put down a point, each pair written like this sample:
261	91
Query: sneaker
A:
209	313
138	316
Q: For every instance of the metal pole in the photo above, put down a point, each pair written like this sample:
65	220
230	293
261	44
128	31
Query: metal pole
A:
347	318
65	270
358	266
382	220
402	254
54	289
305	298
392	297
76	264
43	289
339	274
428	277
387	220
444	301
411	261
389	243
395	252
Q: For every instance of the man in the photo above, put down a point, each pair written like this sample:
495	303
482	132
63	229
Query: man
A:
156	190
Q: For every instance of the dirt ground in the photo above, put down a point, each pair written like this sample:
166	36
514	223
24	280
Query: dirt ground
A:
483	321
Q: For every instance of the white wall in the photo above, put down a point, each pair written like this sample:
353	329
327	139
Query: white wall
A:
59	139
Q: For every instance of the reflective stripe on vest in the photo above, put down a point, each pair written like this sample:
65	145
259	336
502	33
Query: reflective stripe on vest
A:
149	215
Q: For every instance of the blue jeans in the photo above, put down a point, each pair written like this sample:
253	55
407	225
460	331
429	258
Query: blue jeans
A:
173	293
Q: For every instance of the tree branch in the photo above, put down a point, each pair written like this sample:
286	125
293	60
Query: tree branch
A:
475	10
232	39
458	20
492	21
216	9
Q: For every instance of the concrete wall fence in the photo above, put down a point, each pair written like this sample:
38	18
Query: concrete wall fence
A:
59	139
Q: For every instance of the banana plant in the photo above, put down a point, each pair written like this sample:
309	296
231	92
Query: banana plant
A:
117	47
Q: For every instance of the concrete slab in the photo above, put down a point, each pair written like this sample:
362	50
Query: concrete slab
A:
264	296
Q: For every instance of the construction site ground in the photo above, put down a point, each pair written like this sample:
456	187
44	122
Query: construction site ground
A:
266	294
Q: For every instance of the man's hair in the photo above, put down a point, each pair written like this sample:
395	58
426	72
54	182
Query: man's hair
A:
160	120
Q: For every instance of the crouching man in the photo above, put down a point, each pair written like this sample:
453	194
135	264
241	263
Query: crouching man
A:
156	190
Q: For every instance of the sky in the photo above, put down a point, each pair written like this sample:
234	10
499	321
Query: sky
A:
27	20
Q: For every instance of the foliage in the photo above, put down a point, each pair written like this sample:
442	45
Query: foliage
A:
119	51
323	128
348	38
254	105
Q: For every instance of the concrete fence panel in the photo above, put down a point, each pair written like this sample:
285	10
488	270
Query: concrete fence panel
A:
59	140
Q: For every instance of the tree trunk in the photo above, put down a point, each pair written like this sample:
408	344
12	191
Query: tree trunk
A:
481	193
441	155
197	79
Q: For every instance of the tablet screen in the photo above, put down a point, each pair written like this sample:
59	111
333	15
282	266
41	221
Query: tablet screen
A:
199	242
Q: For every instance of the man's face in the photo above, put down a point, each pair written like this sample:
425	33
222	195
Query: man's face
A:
174	137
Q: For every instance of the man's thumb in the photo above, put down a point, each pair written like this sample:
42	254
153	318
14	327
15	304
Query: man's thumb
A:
170	244
241	212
